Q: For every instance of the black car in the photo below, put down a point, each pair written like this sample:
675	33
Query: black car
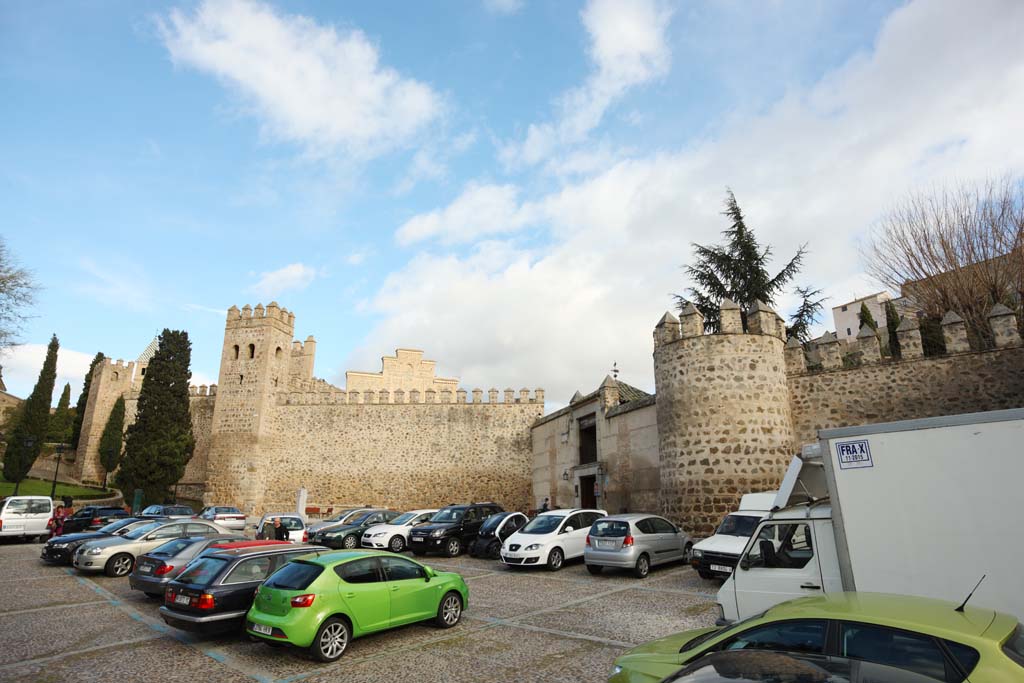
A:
350	534
61	549
732	666
173	511
217	588
493	533
92	517
451	529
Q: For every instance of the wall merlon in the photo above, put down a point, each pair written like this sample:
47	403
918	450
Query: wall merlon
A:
667	330
731	318
1004	327
868	345
909	335
954	332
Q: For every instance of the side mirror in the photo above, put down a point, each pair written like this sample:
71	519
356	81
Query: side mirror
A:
745	563
567	529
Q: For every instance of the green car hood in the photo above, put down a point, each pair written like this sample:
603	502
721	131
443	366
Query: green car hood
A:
655	660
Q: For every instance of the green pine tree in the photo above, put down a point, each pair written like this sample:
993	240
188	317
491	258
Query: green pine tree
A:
865	317
83	400
159	444
737	270
892	321
933	343
806	314
27	437
111	442
62	418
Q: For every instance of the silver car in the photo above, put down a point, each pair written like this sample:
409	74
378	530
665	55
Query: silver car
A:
635	541
155	569
115	556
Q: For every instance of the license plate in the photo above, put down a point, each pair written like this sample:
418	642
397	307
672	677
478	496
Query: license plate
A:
418	540
721	568
606	544
260	628
182	599
512	556
145	569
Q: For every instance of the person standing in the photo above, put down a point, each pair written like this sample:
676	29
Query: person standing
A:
544	506
280	533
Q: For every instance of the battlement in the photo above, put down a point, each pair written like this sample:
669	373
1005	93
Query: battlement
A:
761	320
119	363
248	314
202	390
319	392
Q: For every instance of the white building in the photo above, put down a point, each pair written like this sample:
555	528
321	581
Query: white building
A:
847	322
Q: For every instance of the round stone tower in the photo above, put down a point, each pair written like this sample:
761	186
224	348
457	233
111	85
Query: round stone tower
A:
724	423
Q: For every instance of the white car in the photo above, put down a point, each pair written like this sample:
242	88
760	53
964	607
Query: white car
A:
227	517
550	538
291	521
394	535
25	516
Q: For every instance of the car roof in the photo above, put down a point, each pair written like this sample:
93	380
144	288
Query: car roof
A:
421	512
927	615
271	515
631	517
569	511
338	556
248	550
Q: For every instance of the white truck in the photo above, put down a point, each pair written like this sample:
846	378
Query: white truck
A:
920	507
716	556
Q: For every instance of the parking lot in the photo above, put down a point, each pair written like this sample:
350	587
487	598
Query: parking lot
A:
521	625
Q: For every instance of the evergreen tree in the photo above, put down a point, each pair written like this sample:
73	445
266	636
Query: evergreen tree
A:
27	437
83	399
111	442
806	314
892	321
865	317
932	341
159	443
736	270
62	418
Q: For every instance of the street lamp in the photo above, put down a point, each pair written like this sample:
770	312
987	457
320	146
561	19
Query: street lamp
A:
60	456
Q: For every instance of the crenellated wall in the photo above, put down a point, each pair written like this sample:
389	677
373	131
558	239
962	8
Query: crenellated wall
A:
110	379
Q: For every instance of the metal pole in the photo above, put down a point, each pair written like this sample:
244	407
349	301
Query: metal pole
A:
60	456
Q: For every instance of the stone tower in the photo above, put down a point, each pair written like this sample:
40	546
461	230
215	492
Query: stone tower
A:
257	360
724	422
109	381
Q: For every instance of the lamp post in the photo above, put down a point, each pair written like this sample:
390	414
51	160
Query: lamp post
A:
60	456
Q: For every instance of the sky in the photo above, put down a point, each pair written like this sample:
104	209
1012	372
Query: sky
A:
512	186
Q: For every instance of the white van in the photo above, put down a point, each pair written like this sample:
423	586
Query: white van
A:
716	556
25	516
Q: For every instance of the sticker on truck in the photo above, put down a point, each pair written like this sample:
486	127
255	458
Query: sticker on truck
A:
853	454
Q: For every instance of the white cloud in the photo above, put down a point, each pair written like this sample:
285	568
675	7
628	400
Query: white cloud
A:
627	49
357	257
116	283
321	86
479	211
21	366
820	166
199	308
295	276
503	6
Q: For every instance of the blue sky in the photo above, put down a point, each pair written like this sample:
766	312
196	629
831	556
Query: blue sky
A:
510	186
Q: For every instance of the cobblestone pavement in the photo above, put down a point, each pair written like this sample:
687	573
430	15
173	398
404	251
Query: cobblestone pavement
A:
56	625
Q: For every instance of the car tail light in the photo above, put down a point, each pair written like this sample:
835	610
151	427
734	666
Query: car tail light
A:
96	520
627	541
205	601
163	569
588	540
169	595
305	537
303	600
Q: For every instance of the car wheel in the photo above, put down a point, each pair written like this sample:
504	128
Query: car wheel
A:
555	559
331	640
453	547
449	611
642	567
705	574
396	544
419	553
350	542
594	569
494	550
154	595
119	565
687	552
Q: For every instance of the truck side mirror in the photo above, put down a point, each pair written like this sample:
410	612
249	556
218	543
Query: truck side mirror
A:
745	562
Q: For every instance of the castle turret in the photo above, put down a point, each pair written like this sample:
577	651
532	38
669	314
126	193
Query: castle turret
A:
110	379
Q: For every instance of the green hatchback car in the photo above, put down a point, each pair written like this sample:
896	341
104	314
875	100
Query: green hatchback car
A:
924	636
322	603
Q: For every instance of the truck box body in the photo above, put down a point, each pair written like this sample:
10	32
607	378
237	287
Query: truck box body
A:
920	507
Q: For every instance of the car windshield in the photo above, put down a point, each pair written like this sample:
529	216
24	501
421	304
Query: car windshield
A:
142	530
448	515
542	524
114	526
738	525
402	519
695	642
360	518
492	523
173	547
341	515
180	510
608	528
153	510
289	523
294	576
227	511
202	571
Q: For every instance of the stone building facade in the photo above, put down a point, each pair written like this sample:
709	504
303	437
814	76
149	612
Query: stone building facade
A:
400	438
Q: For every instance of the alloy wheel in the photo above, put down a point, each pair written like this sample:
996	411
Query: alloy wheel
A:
122	565
397	544
555	560
451	610
350	542
333	640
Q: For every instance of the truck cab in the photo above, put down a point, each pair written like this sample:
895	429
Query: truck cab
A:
716	556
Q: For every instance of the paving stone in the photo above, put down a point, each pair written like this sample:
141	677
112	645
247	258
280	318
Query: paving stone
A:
44	592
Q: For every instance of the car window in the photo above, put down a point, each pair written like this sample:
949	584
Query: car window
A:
289	523
448	515
901	649
574	521
199	530
294	576
169	531
782	546
375	518
38	507
646	526
542	524
516	522
227	511
202	571
663	526
400	569
967	657
610	528
172	547
18	506
152	510
390	516
472	514
806	635
359	571
248	570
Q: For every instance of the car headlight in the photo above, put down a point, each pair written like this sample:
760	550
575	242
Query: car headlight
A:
437	533
616	670
379	533
697	553
532	546
94	551
59	545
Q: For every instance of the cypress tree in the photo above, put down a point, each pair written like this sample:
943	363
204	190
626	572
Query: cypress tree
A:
111	442
865	317
159	443
83	399
892	321
26	440
933	343
61	419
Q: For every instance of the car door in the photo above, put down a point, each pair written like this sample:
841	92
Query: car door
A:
159	536
78	521
572	538
365	593
669	547
237	588
471	523
40	510
413	598
806	636
779	565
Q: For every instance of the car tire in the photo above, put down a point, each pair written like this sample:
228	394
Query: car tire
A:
453	547
493	550
119	565
350	542
594	569
556	558
705	574
642	567
419	553
331	640
154	595
396	544
449	610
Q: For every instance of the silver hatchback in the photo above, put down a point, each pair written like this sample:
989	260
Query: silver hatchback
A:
635	541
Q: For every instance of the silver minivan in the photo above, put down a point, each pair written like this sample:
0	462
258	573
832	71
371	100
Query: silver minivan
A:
635	541
25	516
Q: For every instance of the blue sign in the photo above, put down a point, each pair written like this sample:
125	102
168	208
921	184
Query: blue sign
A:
853	454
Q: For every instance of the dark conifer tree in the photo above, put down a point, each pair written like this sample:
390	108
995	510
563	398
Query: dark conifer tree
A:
806	314
111	442
736	270
61	419
864	317
892	321
83	400
27	437
159	443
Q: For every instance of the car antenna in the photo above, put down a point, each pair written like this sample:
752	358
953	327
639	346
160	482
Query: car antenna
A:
961	607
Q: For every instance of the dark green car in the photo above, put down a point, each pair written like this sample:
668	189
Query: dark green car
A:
322	603
349	535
